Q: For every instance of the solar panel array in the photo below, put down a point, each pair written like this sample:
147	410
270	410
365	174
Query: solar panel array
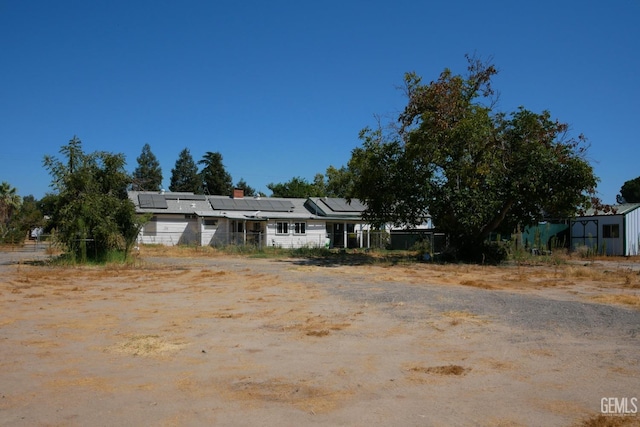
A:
341	205
152	201
265	205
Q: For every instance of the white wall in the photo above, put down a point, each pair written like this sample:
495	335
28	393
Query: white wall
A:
632	232
315	235
591	234
170	230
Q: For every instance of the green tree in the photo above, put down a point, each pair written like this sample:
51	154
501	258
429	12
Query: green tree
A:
297	187
91	212
630	191
184	176
474	170
148	175
27	218
10	202
214	177
339	182
248	190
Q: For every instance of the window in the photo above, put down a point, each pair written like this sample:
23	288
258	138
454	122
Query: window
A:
300	227
611	231
210	223
282	228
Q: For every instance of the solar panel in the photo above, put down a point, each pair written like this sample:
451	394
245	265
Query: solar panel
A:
341	205
251	205
152	201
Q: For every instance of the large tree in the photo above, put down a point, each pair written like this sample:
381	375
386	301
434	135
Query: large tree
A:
297	187
473	169
91	211
148	174
630	191
184	176
339	182
214	177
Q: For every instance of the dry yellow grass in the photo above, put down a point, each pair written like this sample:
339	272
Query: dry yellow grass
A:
628	300
441	370
146	345
609	421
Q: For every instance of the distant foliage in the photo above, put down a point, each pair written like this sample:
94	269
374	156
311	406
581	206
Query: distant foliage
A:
630	191
297	188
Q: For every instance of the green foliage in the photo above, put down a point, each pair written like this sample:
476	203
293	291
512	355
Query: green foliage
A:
91	211
630	190
334	183
296	187
339	182
214	177
474	170
10	202
148	174
184	176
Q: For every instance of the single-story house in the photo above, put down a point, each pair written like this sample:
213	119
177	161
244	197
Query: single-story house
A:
616	232
187	218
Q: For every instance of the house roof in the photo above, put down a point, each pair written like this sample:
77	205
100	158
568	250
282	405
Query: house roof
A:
621	209
168	203
246	208
335	207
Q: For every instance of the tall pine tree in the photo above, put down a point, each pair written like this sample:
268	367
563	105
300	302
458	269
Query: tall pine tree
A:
184	176
215	178
148	175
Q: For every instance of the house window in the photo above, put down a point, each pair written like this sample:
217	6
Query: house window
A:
282	228
300	228
611	231
210	223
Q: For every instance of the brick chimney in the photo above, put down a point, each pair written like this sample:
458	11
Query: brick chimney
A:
238	193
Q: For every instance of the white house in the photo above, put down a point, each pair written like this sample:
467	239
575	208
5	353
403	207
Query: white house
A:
186	218
174	219
612	233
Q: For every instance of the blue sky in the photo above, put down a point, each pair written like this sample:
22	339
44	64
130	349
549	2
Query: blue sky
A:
282	88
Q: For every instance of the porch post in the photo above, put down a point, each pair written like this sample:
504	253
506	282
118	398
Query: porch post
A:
345	236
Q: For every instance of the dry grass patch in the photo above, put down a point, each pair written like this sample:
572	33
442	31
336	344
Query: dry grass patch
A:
456	370
627	300
609	421
477	284
309	398
146	345
458	317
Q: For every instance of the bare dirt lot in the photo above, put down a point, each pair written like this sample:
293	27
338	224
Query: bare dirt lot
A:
232	341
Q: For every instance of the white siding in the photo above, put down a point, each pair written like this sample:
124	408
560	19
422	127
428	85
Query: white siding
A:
315	234
611	246
170	230
584	232
589	231
632	232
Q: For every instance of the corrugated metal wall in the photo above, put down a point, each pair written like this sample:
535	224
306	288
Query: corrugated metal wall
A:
632	233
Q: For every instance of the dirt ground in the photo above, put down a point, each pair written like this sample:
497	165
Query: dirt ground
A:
231	341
